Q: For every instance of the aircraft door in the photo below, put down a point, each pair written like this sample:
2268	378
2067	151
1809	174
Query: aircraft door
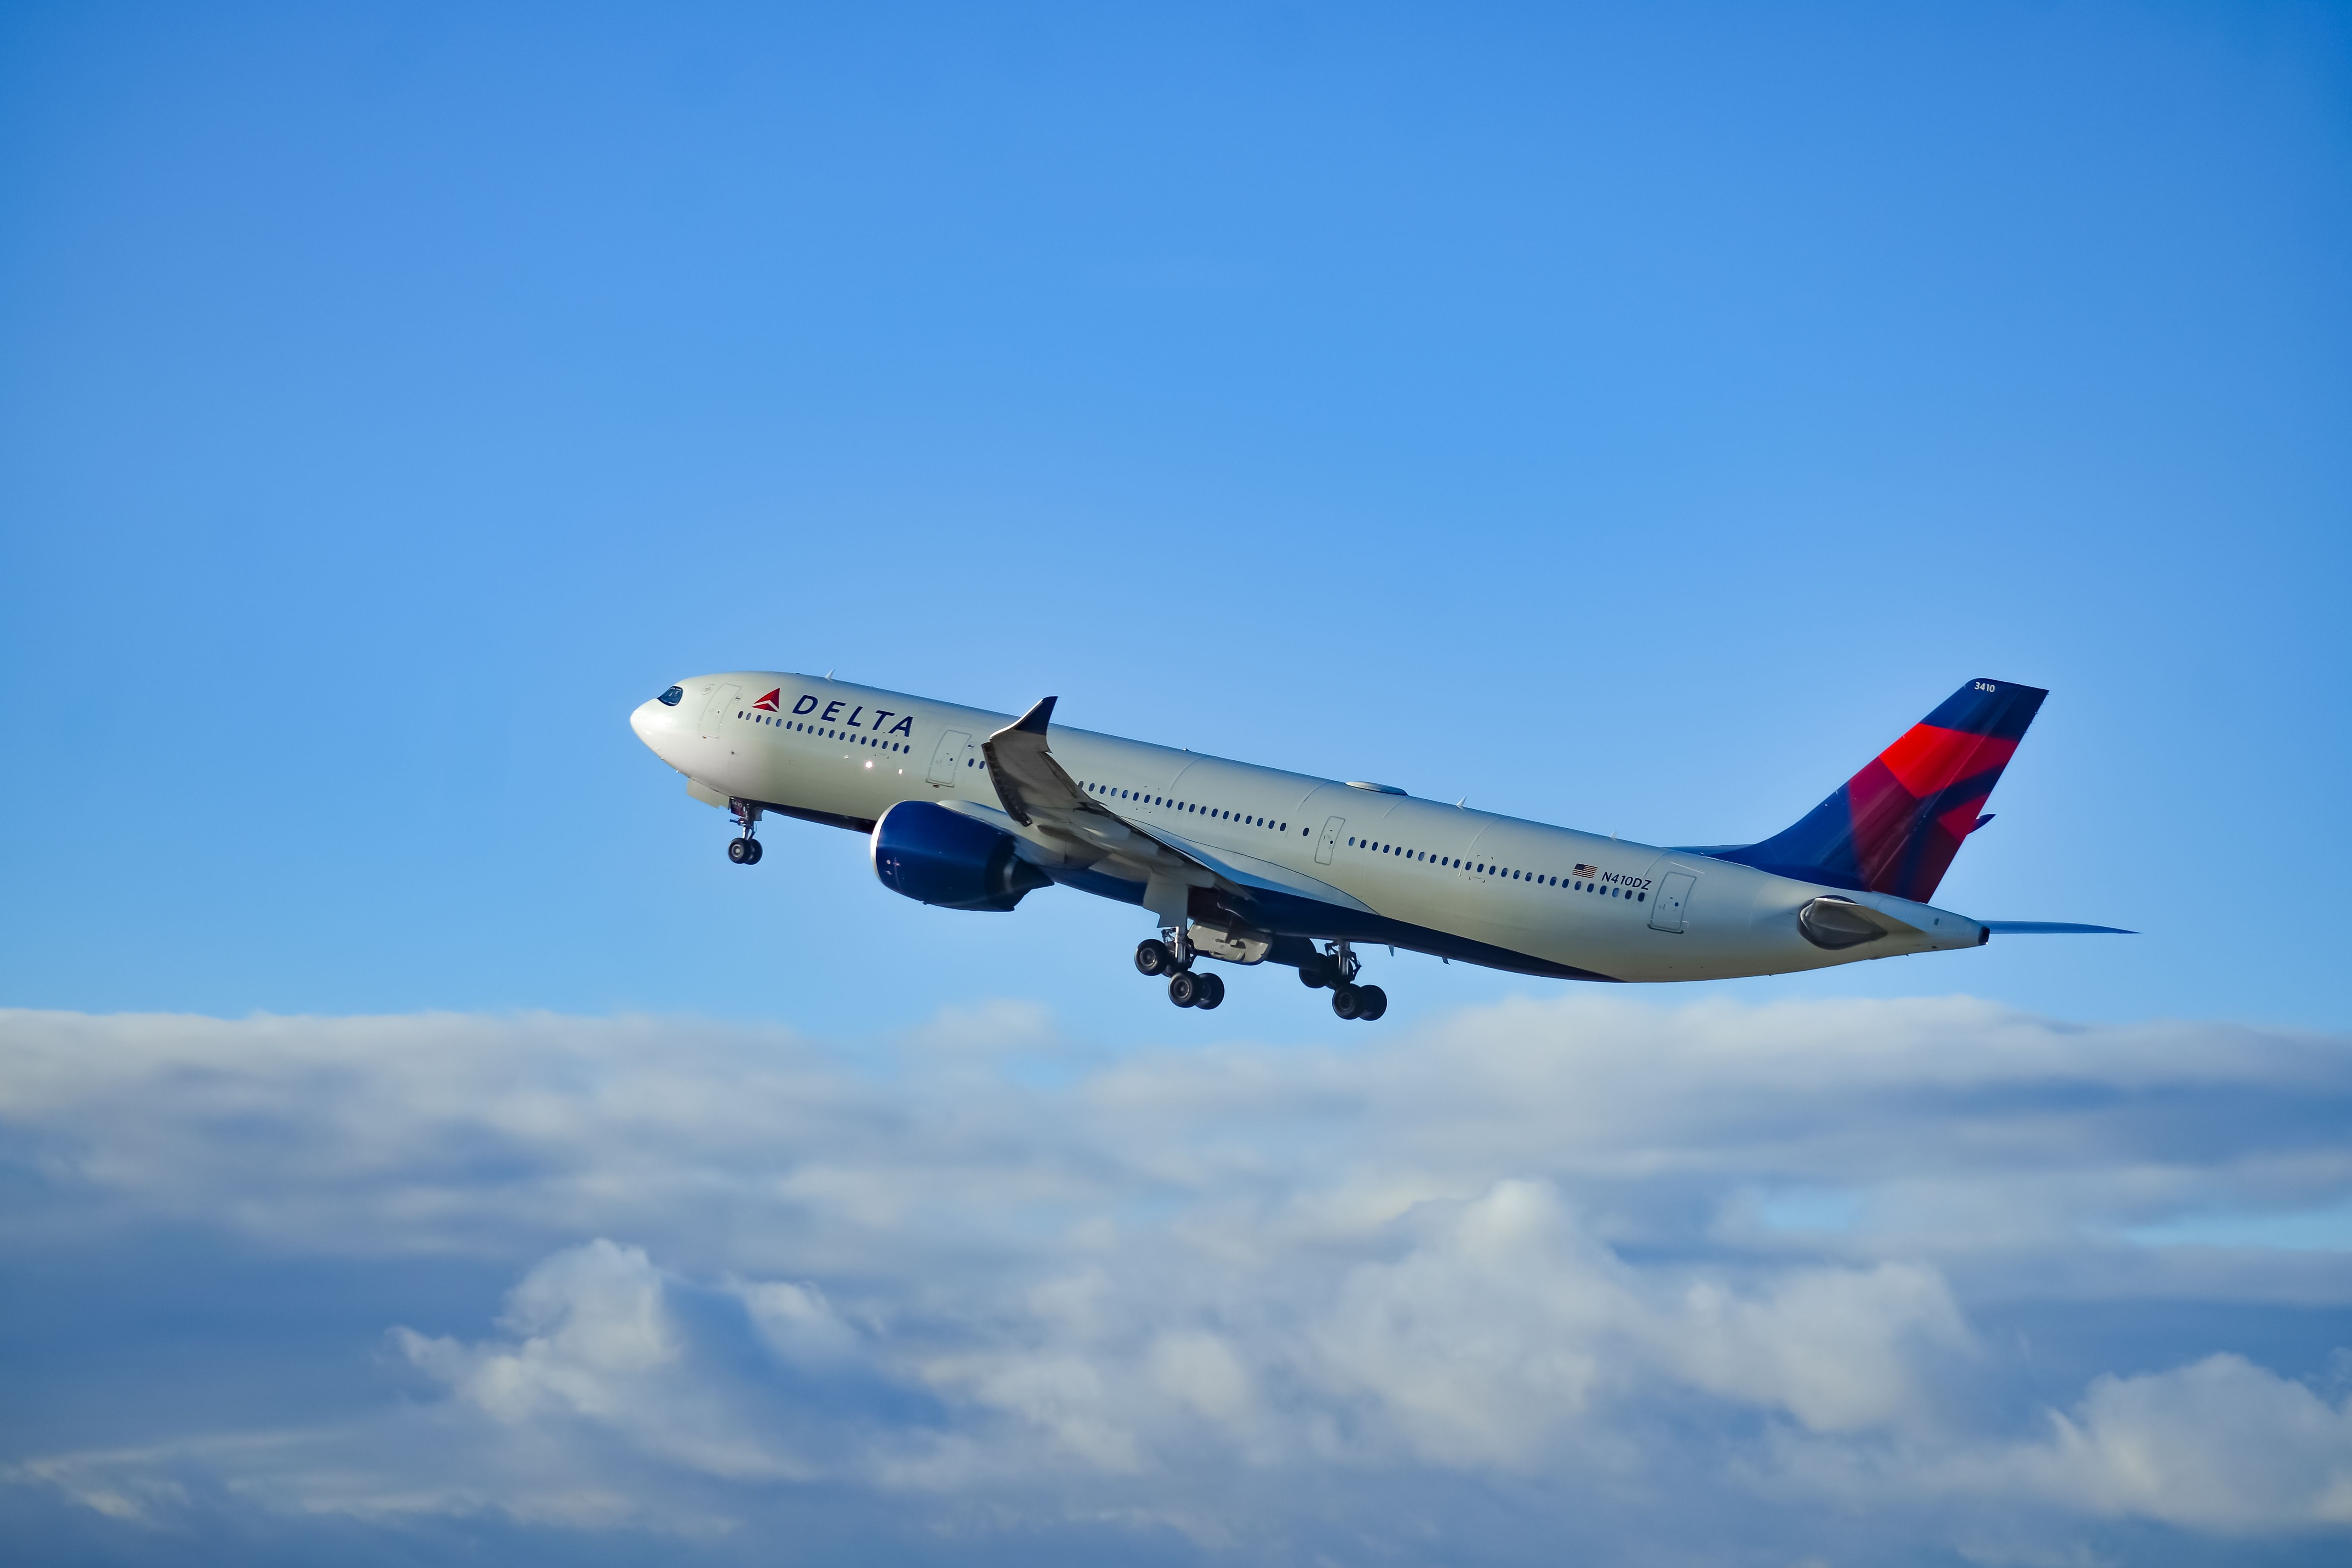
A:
949	758
1331	831
1674	894
724	699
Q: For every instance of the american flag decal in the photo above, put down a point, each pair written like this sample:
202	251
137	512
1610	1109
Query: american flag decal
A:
1587	871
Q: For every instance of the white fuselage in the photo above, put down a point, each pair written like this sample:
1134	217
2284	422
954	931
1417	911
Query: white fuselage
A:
1609	907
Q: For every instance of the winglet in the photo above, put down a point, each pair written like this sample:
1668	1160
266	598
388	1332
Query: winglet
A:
1020	767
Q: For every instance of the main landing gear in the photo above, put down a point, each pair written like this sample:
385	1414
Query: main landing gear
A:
1186	989
1335	968
744	850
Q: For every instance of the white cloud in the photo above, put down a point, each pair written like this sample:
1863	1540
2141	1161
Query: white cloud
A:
1542	1245
2220	1445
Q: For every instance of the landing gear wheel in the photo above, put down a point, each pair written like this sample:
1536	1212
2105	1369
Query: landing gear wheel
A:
739	850
1371	1002
1154	957
1209	990
1347	1001
1185	988
1311	975
751	851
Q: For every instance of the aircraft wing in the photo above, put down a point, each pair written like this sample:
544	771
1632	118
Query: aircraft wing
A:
2054	928
1039	796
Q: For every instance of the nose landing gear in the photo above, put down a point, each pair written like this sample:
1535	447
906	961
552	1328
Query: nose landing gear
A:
744	850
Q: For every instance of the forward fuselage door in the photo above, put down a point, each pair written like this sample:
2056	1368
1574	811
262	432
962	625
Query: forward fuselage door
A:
950	757
1331	831
1673	897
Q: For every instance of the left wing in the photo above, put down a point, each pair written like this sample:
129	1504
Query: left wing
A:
1039	796
2053	928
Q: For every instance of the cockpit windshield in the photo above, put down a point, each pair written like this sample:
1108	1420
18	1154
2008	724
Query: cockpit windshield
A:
670	699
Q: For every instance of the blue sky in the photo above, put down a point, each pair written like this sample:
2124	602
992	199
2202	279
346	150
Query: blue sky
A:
1631	417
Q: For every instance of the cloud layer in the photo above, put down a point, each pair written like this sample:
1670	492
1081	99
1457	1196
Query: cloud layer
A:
1827	1278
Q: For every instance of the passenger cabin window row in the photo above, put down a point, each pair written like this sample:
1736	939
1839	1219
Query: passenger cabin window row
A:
1140	798
1582	881
821	731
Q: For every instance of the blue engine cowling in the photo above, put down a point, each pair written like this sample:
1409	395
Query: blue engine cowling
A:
939	856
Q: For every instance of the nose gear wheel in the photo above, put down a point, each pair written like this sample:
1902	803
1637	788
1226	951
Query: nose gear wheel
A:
744	850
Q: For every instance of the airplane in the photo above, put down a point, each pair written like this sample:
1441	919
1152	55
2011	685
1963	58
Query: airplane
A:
968	809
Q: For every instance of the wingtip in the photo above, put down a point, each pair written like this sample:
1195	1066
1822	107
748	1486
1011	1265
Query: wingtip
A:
1037	718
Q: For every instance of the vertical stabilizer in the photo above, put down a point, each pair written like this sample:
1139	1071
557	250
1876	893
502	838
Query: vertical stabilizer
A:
1894	826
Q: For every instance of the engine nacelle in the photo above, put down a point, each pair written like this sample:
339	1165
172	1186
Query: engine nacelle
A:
935	856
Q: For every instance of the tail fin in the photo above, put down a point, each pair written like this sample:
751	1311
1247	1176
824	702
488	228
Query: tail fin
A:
1894	826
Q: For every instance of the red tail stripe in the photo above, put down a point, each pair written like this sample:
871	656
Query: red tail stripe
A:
1929	757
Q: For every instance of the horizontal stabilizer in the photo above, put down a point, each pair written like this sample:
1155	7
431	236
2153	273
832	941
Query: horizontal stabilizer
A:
2053	928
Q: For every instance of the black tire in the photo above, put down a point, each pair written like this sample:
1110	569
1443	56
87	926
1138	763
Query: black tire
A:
1347	1001
1212	991
737	853
1184	989
1312	975
1375	1000
751	852
1153	956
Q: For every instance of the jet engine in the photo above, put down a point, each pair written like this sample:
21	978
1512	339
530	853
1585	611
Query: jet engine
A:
935	856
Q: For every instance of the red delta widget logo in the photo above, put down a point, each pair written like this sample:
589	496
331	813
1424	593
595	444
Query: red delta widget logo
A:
774	702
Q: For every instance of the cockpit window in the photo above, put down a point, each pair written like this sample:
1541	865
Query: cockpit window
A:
670	699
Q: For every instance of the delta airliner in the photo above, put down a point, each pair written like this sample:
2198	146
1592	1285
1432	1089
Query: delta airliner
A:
973	810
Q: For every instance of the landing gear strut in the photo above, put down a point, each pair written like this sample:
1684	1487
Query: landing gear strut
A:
744	850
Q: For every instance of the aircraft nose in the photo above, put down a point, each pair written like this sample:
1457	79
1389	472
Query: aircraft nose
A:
655	720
